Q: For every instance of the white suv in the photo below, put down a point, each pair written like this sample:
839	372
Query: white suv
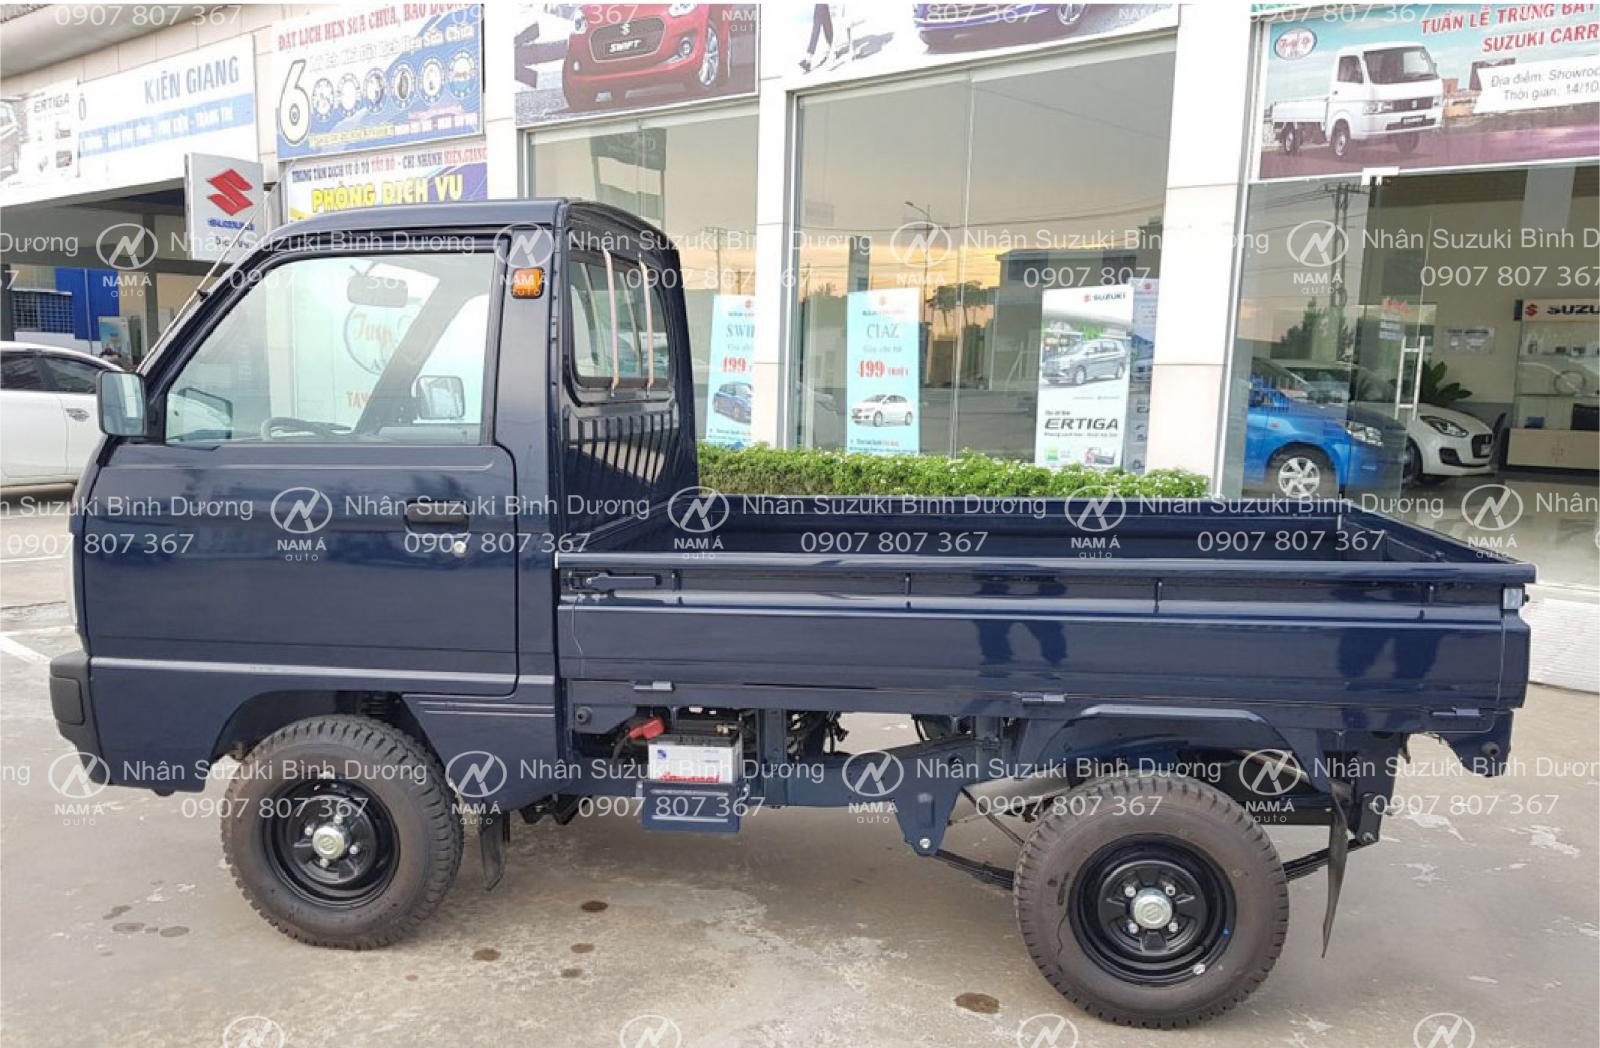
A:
48	427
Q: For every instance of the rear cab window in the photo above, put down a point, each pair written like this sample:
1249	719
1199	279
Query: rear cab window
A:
618	295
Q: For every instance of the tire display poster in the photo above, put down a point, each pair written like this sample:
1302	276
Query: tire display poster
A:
576	60
370	76
437	174
882	340
729	393
1085	358
1429	86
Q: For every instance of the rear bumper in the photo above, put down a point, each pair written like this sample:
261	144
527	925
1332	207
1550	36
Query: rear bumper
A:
72	705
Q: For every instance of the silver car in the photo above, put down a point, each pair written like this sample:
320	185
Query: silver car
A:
1086	361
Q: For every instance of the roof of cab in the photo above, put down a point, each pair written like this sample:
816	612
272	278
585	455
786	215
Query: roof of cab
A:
494	214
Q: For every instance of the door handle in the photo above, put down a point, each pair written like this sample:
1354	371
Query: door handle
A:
77	414
430	511
606	582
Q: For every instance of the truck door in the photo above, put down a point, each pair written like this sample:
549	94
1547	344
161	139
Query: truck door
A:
321	502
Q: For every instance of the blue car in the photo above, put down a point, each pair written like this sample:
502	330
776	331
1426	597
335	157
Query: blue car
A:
732	400
1301	449
950	26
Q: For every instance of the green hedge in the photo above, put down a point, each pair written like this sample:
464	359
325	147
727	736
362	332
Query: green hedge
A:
800	471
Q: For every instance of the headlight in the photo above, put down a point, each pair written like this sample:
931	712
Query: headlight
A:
679	10
1363	433
1378	107
1444	425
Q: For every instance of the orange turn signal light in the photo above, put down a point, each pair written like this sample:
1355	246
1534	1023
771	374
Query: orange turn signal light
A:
527	283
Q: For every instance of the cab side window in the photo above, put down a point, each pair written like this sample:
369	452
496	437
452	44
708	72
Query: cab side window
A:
1349	70
377	348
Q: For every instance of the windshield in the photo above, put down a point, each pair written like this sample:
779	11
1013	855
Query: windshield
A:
1400	65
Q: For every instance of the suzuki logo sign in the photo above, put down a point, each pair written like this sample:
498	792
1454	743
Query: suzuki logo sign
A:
232	191
1318	243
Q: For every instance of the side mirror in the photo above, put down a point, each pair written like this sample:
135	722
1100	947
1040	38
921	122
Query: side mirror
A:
120	396
440	398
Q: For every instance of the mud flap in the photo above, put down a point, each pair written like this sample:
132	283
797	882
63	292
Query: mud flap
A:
1338	848
493	834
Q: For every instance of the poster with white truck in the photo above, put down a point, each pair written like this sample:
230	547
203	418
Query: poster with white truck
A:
1429	86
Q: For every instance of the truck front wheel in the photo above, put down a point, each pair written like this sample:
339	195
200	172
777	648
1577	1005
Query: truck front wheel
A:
1290	140
1407	142
1151	901
340	831
1341	140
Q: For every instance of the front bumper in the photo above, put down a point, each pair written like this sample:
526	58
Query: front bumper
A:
1459	457
662	65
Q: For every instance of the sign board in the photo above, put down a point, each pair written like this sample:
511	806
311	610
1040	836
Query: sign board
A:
369	76
222	200
135	127
729	393
1417	86
1562	310
1141	358
884	384
575	60
44	127
1085	359
833	42
435	174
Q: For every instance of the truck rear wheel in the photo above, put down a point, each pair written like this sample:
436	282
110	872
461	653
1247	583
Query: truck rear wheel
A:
340	831
1341	140
1151	901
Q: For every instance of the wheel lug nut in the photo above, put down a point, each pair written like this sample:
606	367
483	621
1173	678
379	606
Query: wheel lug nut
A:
1170	889
1172	927
355	849
1129	891
309	829
338	817
1133	929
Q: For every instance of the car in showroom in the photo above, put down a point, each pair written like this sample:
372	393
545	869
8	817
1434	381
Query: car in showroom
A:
47	404
1440	442
1300	449
883	409
656	45
1086	361
732	400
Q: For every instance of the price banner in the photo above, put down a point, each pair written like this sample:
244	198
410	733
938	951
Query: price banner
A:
377	75
884	384
729	393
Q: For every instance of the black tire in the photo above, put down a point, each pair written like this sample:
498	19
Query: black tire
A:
877	418
1341	141
1411	471
413	862
1079	376
1407	142
1290	140
1065	859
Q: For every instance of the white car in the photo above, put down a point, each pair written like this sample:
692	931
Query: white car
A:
883	409
1445	443
48	427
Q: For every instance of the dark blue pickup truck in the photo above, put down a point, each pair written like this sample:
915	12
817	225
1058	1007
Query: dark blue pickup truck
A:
403	518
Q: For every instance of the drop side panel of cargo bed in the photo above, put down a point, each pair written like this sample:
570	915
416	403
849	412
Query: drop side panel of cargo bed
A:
1367	633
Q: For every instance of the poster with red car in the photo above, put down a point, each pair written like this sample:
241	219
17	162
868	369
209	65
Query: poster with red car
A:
575	60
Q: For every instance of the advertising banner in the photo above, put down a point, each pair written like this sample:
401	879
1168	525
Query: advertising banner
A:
1141	357
1430	86
43	146
376	75
829	42
222	201
729	395
135	127
427	175
882	337
577	59
1085	349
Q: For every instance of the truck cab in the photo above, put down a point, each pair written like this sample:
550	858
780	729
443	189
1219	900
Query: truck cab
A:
1388	90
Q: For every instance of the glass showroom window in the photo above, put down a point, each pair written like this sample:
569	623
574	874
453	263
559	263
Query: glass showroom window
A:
935	216
692	174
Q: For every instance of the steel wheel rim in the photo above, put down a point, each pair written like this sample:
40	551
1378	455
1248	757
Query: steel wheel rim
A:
1188	883
357	875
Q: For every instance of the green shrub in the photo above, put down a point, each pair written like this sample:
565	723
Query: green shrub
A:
762	470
